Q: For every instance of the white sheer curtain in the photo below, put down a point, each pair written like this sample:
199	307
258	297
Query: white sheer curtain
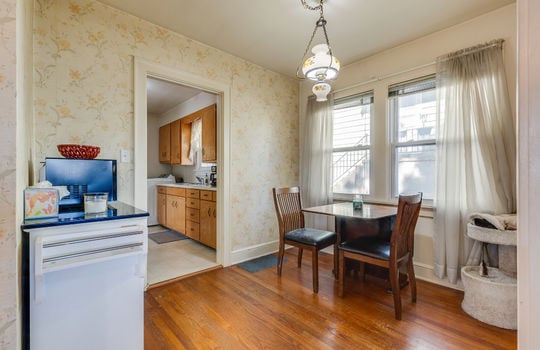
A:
476	152
195	142
316	167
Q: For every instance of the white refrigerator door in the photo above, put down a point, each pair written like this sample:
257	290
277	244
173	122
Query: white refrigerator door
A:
87	288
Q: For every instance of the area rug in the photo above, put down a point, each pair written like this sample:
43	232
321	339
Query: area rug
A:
258	264
166	236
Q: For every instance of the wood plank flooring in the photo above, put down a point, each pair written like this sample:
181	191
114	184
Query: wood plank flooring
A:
234	309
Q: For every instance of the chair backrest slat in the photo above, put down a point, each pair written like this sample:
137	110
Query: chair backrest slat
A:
402	240
288	203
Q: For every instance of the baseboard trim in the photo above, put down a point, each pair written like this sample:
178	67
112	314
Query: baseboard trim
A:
425	272
252	252
422	271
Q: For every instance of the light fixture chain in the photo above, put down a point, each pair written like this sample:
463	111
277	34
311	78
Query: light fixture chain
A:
312	8
307	50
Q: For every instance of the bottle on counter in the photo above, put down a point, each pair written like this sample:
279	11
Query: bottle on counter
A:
206	179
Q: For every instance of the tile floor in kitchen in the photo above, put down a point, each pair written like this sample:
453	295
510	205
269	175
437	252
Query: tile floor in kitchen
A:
175	259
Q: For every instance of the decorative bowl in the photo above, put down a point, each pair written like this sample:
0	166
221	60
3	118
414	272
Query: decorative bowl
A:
78	151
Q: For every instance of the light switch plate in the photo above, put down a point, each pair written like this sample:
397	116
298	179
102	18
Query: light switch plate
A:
125	156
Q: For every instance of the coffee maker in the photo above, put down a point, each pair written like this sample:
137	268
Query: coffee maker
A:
213	176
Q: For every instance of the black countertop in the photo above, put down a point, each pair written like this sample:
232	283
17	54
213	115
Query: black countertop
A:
116	211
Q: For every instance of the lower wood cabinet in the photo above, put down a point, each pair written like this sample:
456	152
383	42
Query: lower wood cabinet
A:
189	211
162	206
208	223
172	208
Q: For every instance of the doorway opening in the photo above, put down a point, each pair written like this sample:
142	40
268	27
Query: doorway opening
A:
202	90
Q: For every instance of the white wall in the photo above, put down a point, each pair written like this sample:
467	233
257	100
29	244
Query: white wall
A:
408	61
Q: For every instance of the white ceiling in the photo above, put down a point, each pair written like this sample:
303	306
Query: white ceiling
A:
274	33
163	95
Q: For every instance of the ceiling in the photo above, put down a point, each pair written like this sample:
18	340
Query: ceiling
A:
274	33
163	95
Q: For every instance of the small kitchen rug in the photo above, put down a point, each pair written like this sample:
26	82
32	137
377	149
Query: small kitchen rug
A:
166	236
258	264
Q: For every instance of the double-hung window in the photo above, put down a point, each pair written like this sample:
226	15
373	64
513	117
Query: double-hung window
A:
351	144
412	108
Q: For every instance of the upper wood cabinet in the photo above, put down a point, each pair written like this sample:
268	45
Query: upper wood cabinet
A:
165	144
175	138
175	142
208	116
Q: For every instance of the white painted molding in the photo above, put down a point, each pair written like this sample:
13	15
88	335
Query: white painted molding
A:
254	251
143	69
425	272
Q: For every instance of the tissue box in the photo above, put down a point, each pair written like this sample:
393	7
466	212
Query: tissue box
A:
40	203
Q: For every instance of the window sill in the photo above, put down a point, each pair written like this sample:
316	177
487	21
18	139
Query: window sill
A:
427	210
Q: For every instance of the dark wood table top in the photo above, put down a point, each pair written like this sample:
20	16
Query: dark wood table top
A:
369	211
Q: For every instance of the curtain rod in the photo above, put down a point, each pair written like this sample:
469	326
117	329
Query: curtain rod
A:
470	50
458	53
385	77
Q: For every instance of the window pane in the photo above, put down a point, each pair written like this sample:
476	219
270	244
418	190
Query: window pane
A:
416	116
352	126
351	172
416	169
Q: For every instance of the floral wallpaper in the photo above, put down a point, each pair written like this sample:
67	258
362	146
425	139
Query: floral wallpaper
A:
83	61
8	195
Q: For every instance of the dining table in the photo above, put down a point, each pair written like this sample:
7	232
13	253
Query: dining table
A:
373	220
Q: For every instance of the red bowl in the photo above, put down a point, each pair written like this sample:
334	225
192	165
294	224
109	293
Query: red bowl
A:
78	151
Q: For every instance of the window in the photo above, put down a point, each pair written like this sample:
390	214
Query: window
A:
412	108
351	144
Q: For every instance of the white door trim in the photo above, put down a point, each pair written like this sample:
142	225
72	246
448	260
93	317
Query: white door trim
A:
143	69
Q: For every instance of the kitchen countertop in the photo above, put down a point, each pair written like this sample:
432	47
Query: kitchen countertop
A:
190	185
115	211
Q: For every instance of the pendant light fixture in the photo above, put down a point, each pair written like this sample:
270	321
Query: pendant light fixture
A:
323	66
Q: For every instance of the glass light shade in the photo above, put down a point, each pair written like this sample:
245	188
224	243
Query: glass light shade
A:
321	66
321	90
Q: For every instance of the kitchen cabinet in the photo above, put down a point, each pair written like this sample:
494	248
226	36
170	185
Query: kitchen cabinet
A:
192	214
208	116
175	138
175	208
207	218
175	142
189	211
165	144
162	206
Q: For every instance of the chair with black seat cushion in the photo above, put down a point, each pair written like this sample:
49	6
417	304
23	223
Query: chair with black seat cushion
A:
288	203
393	255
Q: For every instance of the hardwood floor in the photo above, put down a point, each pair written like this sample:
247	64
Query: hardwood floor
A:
234	309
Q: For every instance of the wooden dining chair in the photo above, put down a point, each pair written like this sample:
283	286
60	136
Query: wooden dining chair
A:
393	254
292	231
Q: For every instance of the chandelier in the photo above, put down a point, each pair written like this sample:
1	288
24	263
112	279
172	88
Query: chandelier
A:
323	66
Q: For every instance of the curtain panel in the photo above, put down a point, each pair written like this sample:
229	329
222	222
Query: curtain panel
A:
476	151
316	167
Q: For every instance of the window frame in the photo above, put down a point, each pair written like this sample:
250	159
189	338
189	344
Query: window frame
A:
393	127
369	147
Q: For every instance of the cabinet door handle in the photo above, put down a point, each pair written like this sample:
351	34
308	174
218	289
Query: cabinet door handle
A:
209	211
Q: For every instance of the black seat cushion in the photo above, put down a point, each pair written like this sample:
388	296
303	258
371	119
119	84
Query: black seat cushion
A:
370	246
311	236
